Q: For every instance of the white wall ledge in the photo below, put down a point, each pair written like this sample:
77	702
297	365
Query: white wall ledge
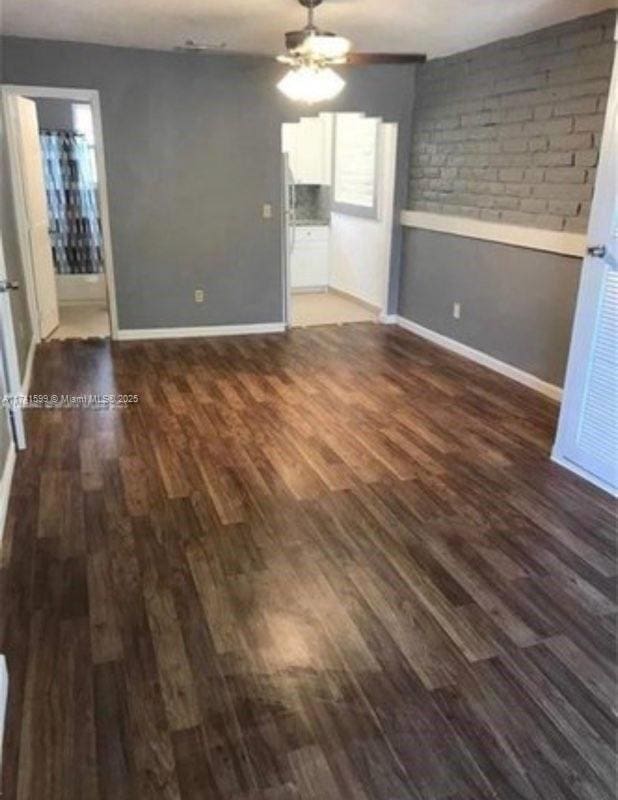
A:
562	242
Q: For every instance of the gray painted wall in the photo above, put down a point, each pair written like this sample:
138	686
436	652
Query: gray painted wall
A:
508	132
516	304
511	131
192	147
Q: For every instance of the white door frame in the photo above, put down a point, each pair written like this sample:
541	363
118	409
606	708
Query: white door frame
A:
90	96
386	129
388	214
286	255
14	382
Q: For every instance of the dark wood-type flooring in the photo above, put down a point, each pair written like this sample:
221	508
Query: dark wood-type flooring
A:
335	564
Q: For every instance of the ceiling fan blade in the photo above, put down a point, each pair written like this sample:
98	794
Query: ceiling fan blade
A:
364	59
294	39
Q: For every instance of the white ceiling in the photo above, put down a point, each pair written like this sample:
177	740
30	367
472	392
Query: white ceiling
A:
435	27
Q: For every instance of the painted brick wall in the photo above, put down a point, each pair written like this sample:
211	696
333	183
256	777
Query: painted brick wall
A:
510	132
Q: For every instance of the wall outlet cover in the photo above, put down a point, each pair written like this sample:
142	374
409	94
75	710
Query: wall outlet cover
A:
457	310
199	295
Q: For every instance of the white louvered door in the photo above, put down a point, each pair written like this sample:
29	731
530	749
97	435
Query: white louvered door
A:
587	438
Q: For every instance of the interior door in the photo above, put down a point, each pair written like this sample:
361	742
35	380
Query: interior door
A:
25	126
10	380
587	436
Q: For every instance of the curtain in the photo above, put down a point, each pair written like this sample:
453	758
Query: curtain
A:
72	202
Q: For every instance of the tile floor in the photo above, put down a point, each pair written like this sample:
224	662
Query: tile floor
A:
82	321
327	308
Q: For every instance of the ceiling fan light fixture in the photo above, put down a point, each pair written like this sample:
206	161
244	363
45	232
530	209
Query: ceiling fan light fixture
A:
312	51
327	46
307	84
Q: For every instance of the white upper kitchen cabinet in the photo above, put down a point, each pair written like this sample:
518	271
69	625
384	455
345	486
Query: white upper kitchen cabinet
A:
309	145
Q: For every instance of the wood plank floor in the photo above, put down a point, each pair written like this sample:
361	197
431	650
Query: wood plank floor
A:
335	564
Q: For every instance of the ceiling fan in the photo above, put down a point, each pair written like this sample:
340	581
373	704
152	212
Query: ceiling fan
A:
335	49
311	52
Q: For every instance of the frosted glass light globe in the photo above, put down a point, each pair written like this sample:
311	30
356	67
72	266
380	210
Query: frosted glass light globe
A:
311	84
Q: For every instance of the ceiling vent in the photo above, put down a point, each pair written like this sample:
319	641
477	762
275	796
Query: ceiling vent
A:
191	46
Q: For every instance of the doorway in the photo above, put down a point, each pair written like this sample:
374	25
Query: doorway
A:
58	173
338	217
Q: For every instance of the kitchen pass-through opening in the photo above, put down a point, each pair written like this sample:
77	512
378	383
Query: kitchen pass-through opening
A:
339	175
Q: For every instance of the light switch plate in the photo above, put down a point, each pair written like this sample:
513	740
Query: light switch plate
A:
199	295
267	211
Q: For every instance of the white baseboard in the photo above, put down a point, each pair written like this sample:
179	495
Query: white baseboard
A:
6	478
130	334
588	476
355	298
527	379
388	319
94	302
309	289
4	696
7	469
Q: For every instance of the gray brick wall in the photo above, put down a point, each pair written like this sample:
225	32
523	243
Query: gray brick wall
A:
511	131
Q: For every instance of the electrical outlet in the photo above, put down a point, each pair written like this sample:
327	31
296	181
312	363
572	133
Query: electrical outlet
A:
199	295
457	310
267	211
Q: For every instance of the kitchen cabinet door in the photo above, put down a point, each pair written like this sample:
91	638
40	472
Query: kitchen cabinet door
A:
309	261
308	144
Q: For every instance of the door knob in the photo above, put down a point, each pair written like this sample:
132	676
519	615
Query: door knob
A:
7	286
597	251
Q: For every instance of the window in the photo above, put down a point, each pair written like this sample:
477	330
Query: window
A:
356	165
83	123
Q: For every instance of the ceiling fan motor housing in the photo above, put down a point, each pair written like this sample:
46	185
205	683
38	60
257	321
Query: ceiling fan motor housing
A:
326	47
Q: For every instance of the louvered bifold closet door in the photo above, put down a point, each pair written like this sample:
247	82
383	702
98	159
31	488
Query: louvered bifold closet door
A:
587	438
596	440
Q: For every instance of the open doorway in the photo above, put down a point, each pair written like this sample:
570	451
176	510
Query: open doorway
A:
338	218
58	175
